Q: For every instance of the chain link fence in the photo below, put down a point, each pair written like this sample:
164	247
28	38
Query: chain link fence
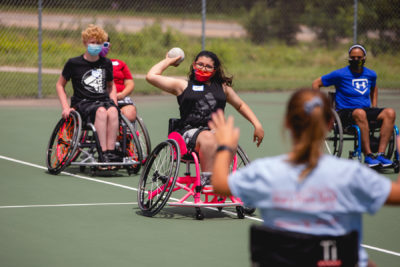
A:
265	45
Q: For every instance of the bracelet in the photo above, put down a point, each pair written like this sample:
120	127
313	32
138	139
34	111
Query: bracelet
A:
224	147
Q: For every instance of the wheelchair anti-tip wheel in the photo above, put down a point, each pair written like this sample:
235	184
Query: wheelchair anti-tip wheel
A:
143	136
63	143
158	177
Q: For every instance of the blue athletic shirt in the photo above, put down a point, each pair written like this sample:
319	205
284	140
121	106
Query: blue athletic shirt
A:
352	89
329	201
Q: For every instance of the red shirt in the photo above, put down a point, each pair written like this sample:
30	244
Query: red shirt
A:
121	73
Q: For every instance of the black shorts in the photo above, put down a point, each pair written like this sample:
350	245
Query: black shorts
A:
87	108
346	115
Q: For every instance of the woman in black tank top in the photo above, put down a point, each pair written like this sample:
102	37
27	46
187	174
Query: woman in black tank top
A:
207	90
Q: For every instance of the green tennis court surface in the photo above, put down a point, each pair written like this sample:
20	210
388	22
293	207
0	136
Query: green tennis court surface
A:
74	219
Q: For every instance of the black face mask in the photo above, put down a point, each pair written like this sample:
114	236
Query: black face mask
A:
356	64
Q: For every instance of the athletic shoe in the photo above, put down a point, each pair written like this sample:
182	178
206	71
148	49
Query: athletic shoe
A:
384	161
371	161
113	157
205	178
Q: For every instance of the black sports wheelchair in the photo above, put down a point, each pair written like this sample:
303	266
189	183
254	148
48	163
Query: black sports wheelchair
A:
76	143
334	142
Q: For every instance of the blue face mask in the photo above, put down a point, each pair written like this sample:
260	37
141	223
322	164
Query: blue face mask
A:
94	49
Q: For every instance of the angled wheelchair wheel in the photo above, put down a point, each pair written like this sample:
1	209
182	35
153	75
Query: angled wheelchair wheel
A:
390	149
143	136
158	177
334	139
63	143
129	145
241	161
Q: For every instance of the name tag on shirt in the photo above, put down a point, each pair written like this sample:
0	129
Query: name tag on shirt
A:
198	87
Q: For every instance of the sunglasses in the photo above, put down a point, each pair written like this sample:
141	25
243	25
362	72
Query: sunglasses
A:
106	44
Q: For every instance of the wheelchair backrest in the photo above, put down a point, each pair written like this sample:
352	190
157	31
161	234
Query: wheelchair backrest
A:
173	125
271	247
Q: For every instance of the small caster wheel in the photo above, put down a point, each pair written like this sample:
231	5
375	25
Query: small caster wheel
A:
249	210
219	208
199	214
240	212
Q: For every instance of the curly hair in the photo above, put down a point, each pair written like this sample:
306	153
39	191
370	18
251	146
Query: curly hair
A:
94	31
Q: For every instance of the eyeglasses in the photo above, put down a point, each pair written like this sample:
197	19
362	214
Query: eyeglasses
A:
106	44
200	65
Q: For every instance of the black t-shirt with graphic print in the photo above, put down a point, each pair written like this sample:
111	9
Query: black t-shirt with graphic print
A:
198	101
89	79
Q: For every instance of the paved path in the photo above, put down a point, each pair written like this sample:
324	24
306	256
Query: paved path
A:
123	23
189	27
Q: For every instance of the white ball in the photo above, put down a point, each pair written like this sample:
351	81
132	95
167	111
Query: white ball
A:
176	52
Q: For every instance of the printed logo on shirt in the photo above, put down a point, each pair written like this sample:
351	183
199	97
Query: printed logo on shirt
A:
198	88
93	81
115	63
360	85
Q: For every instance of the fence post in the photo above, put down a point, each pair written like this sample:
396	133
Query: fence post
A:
355	21
40	49
203	24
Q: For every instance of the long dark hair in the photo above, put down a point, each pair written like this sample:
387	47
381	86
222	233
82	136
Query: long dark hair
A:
308	116
219	75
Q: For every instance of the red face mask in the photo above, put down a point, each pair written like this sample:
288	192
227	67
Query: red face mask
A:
202	76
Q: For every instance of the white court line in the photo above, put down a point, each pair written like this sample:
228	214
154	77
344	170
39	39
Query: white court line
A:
135	189
67	205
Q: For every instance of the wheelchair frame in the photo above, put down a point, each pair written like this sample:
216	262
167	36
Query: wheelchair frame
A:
73	143
160	178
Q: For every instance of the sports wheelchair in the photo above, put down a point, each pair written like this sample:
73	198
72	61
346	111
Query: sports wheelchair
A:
160	177
334	142
76	143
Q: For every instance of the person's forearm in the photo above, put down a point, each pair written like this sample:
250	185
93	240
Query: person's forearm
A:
317	83
374	97
62	96
156	70
247	113
129	86
112	92
219	178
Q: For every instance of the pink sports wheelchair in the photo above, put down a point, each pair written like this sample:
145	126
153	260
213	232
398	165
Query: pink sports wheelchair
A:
160	177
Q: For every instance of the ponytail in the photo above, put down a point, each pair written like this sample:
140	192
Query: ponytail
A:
308	116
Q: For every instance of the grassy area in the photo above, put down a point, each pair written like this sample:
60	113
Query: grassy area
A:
272	66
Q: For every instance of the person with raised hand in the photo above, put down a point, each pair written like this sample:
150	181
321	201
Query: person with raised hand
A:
304	190
207	89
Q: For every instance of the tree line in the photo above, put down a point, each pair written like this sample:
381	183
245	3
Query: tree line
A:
378	21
